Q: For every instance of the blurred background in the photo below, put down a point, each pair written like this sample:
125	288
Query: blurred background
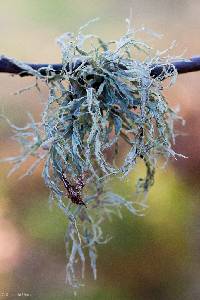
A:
152	257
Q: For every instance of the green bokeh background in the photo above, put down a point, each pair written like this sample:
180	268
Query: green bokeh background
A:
149	258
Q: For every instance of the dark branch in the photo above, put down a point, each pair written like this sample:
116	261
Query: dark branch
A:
182	66
7	66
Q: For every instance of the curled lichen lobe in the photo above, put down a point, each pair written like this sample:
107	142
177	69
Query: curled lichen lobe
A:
74	190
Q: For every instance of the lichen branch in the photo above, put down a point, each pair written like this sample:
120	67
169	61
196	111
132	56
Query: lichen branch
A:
97	97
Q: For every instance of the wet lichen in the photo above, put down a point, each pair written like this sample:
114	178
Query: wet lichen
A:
103	95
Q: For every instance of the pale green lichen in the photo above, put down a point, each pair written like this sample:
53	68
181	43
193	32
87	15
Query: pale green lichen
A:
110	96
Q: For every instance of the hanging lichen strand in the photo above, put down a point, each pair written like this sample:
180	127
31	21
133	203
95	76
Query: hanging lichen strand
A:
102	96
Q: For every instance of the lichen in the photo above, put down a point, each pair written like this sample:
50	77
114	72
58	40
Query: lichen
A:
104	94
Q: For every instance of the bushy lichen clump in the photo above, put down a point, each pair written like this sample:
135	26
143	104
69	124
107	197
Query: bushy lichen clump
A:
105	93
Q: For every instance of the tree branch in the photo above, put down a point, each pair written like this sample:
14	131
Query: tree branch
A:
182	66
